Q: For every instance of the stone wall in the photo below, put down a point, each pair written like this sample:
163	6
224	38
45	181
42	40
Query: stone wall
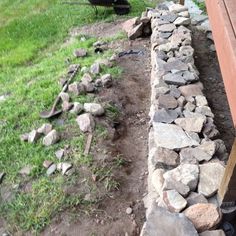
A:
186	161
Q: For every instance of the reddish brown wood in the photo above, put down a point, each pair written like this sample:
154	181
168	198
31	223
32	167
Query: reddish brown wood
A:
222	15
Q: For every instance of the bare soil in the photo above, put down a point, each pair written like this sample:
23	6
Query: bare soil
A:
127	139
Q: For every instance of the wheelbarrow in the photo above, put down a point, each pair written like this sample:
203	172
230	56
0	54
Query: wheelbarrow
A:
121	7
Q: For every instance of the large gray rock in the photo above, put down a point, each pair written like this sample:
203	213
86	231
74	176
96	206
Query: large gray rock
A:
167	28
204	216
170	17
172	136
211	175
182	21
165	116
86	122
175	79
33	136
195	198
185	173
191	124
175	65
174	201
159	221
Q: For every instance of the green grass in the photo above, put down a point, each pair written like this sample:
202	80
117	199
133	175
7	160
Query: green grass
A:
201	5
32	60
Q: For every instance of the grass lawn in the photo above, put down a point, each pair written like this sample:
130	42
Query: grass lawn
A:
31	62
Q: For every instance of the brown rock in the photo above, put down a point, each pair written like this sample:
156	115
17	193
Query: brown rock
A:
213	233
204	216
47	164
191	89
167	101
81	52
136	32
130	24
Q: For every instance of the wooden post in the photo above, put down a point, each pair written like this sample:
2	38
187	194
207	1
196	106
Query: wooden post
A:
181	2
227	190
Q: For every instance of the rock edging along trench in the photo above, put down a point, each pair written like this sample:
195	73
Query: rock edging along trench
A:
186	161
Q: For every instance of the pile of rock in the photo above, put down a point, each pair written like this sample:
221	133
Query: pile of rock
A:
186	160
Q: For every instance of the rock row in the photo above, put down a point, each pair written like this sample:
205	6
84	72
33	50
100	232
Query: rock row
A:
186	161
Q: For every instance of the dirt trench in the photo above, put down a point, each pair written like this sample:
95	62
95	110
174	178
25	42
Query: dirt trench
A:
131	95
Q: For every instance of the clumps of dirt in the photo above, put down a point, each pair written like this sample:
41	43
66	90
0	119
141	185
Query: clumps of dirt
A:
210	75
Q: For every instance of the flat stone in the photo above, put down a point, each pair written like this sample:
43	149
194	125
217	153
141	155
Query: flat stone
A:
191	124
167	101
158	180
219	232
136	31
205	110
51	170
178	186
165	116
170	17
182	21
175	79
33	136
45	129
167	28
95	68
189	77
196	18
203	216
185	173
65	167
26	170
86	122
172	136
175	64
166	158
159	221
211	175
51	138
77	108
47	164
195	198
191	89
94	108
165	35
177	8
81	52
174	201
60	153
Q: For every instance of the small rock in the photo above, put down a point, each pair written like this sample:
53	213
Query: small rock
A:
72	68
51	170
65	97
181	101
211	175
47	164
77	88
177	8
94	108
95	69
24	137
65	167
203	216
189	106
66	106
129	211
182	21
130	24
184	173
86	122
136	31
167	101
81	52
195	198
205	110
106	80
165	116
60	153
45	129
213	233
191	124
86	78
34	136
174	201
77	108
167	28
26	170
51	138
201	100
184	14
191	89
158	180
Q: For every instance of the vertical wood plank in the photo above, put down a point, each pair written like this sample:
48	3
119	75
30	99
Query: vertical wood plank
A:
227	190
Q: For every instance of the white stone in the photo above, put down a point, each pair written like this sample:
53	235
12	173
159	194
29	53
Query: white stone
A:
86	122
51	138
94	108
